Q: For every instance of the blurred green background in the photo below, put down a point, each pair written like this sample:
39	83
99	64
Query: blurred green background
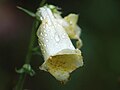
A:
100	23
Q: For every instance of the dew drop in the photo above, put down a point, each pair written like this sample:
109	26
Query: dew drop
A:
57	38
43	38
44	26
71	22
44	51
63	36
41	18
42	44
44	31
46	40
48	30
45	45
45	35
41	34
56	44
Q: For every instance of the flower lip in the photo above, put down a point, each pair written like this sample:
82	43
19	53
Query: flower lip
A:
63	63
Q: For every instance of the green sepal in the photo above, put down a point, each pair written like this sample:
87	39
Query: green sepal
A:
26	69
54	9
42	3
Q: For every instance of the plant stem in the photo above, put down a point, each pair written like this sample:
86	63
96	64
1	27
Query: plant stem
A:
19	85
32	41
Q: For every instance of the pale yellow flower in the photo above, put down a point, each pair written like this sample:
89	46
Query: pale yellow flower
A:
70	25
60	56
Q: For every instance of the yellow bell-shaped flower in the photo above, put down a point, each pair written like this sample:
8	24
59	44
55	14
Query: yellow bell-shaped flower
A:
60	56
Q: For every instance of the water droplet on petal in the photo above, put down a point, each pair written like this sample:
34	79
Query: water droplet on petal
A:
46	35
71	22
42	44
45	45
57	38
44	26
63	36
46	40
43	38
44	51
41	34
41	18
48	30
56	44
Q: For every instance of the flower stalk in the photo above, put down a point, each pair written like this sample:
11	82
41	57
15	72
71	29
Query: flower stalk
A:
19	85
